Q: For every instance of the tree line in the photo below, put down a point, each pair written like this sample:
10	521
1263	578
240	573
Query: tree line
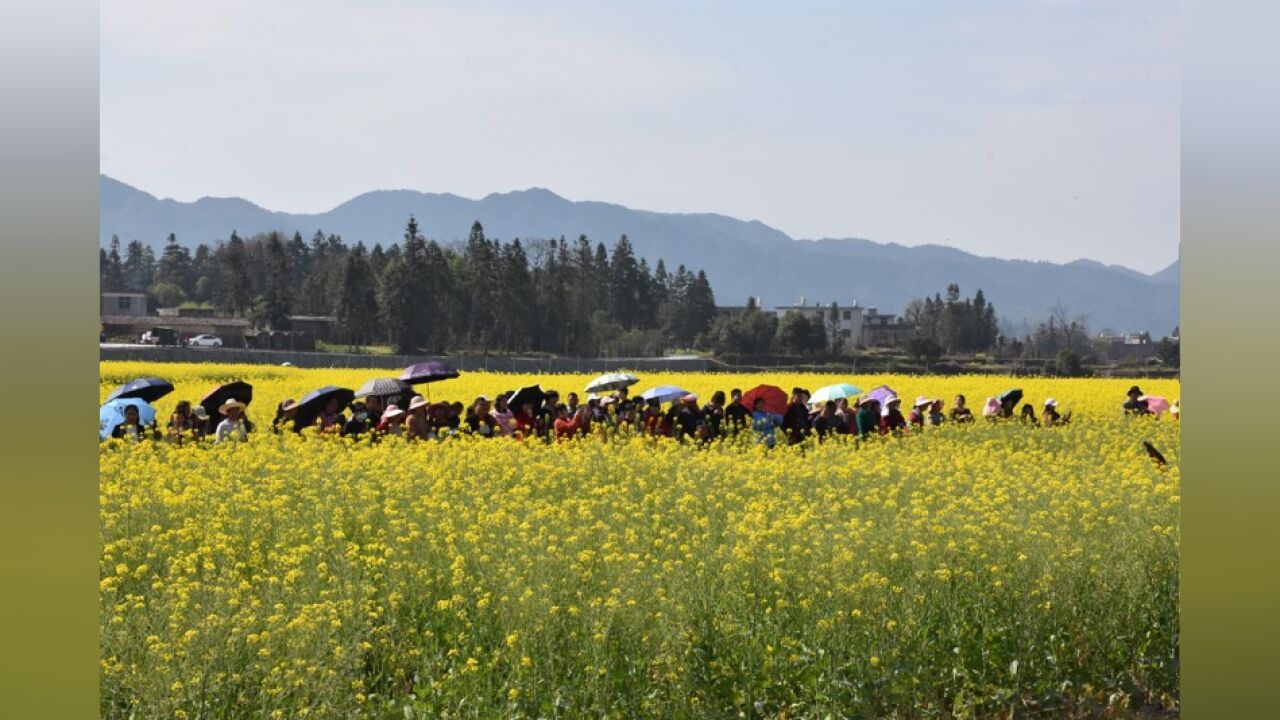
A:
418	295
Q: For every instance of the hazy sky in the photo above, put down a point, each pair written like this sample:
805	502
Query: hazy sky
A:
1028	129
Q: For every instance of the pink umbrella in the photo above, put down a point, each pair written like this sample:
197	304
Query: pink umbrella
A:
1156	404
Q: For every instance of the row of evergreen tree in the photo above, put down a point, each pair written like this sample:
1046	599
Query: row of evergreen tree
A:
421	296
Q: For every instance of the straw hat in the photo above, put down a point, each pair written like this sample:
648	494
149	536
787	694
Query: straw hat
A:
417	402
690	398
230	403
865	400
392	411
1051	403
200	413
922	400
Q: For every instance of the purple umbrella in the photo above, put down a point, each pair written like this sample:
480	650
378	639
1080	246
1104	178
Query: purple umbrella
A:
428	372
880	394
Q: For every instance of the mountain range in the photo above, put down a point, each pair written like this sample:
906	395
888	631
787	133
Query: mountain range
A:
741	258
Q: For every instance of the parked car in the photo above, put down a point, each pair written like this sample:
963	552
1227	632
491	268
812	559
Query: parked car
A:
205	340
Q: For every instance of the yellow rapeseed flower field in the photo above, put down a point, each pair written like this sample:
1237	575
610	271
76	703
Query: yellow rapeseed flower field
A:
996	569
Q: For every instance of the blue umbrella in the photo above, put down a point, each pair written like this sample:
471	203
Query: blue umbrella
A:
149	389
111	414
833	392
664	393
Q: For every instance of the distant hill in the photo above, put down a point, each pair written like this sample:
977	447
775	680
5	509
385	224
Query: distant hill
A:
742	258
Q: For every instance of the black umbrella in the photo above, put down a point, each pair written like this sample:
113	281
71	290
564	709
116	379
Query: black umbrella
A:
238	390
312	404
148	389
384	387
531	394
1012	395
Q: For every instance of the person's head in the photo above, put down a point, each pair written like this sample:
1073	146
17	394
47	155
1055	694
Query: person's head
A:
797	395
1028	411
482	405
331	405
937	406
758	405
393	414
553	398
991	408
232	408
842	404
622	393
200	414
455	410
131	414
287	409
829	408
183	409
655	404
735	394
373	405
717	397
359	410
1051	404
959	401
562	411
573	399
418	406
869	404
526	407
500	404
1134	392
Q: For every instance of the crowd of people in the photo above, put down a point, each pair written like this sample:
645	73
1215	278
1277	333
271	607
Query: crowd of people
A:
542	415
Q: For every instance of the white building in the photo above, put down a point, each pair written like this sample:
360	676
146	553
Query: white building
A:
846	320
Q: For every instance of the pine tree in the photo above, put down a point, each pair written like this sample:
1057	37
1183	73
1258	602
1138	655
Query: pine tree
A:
139	267
113	278
481	296
234	293
624	285
175	265
274	303
357	309
395	304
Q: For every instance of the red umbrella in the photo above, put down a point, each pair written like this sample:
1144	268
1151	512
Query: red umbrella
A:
775	400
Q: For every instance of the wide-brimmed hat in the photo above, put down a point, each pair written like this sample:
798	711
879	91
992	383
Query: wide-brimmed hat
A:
417	402
1134	389
393	410
864	400
690	398
200	413
1051	403
288	405
231	403
891	400
922	400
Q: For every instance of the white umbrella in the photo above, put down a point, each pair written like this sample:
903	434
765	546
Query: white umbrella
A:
612	381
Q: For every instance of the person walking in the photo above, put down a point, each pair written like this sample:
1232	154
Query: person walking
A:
867	419
891	420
